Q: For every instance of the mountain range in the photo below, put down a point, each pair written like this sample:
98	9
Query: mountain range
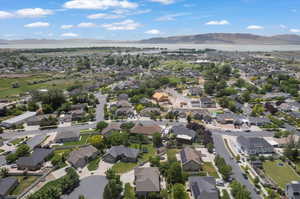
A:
210	38
227	38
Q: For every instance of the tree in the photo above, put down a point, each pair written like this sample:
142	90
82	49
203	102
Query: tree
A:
175	174
32	106
127	125
239	191
154	161
129	192
114	187
47	108
139	107
1	130
156	138
189	118
3	172
23	150
101	125
179	192
81	197
97	141
12	157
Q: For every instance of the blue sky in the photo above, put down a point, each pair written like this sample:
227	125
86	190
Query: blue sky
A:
138	19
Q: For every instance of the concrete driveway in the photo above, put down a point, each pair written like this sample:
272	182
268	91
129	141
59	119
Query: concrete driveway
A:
91	187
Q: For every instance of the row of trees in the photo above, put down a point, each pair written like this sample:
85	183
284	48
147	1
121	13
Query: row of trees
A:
63	185
224	169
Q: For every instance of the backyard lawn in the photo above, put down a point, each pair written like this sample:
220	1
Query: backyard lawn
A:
210	169
280	172
24	182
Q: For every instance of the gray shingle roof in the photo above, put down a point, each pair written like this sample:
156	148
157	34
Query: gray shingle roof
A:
36	140
116	151
182	130
37	157
6	184
147	179
253	142
203	187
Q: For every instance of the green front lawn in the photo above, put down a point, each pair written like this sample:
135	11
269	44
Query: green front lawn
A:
17	141
123	167
24	182
93	165
82	141
210	169
282	175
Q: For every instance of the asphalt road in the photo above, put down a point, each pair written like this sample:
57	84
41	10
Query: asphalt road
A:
237	172
100	107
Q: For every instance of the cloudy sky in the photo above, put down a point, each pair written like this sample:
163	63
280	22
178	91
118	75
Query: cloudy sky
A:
137	19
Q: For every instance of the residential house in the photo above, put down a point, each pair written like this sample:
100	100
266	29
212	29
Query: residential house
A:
254	145
36	141
77	114
203	187
190	159
183	134
160	97
207	102
292	190
122	153
35	160
123	96
147	180
7	185
79	158
67	136
259	121
20	119
145	128
111	128
149	111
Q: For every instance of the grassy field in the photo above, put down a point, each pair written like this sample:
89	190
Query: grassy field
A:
24	182
123	167
83	140
210	169
93	165
6	90
282	175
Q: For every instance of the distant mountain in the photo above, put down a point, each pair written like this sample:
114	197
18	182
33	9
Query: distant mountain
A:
227	38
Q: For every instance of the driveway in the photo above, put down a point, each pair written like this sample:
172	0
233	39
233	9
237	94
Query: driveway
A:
91	187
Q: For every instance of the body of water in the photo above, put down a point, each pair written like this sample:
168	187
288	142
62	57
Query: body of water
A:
224	47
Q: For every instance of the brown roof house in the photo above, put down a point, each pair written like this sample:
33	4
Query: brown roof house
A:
190	159
7	185
160	97
146	128
79	158
146	180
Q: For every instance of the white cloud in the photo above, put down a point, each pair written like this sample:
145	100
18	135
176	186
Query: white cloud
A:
255	27
166	2
283	26
153	32
221	22
171	17
129	12
66	27
104	16
37	25
33	12
99	4
123	25
69	34
5	15
293	30
86	25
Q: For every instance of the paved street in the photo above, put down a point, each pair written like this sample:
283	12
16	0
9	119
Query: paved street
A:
237	173
100	107
91	187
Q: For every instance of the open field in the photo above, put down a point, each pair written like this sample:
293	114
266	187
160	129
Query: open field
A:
280	172
27	83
